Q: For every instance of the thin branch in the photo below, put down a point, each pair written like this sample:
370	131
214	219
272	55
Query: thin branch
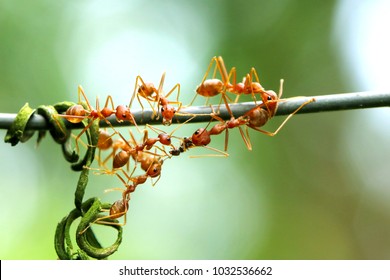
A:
332	102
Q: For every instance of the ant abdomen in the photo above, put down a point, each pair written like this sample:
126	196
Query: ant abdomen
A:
121	159
75	113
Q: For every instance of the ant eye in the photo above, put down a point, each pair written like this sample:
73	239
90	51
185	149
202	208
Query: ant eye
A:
197	132
123	115
269	98
162	109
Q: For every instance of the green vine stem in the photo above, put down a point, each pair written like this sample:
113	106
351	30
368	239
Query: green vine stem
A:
46	117
92	135
88	211
88	244
87	240
17	130
323	103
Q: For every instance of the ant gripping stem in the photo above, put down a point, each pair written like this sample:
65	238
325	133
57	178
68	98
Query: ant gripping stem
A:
150	162
156	95
200	138
259	115
212	87
118	209
77	113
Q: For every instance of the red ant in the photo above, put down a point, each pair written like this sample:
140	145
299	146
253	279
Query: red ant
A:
140	151
212	87
150	162
247	86
77	113
152	94
259	116
254	118
105	142
120	207
200	138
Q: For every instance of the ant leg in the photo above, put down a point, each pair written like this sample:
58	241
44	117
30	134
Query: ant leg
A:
227	105
285	121
142	94
245	137
214	59
111	102
222	70
159	92
111	216
220	153
80	91
177	86
253	72
81	133
280	88
233	74
161	85
134	91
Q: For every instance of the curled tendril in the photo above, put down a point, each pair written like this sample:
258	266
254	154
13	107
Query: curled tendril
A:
87	242
18	131
87	211
58	129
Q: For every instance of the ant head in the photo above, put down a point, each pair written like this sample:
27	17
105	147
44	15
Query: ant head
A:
269	95
123	113
270	99
154	169
201	137
164	138
167	112
175	152
185	144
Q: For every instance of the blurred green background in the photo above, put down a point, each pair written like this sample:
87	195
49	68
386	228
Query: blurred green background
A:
318	190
